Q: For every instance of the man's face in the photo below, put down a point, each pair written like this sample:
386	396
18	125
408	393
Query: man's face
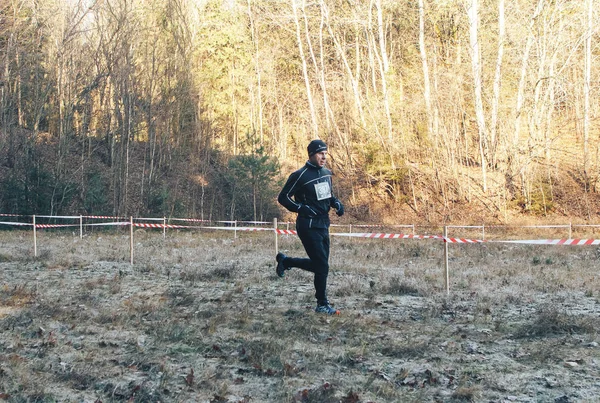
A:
319	159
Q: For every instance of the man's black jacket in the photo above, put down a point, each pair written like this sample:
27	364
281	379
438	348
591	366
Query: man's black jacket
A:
309	193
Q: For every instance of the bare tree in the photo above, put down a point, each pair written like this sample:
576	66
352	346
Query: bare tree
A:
384	66
163	91
513	157
309	95
477	88
425	66
497	83
353	77
257	67
586	89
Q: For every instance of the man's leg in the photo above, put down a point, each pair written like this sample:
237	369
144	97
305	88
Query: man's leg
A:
299	262
322	272
316	244
303	263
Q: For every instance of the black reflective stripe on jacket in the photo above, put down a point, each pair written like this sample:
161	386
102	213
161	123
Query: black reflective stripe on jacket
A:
299	189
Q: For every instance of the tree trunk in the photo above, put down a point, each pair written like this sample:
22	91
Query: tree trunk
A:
351	76
497	84
523	77
257	68
514	153
586	93
477	84
313	115
384	68
425	67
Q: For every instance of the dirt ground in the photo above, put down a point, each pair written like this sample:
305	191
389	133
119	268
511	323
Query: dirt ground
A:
201	317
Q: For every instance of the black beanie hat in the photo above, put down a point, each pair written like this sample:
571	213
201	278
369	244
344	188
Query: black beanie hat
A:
316	146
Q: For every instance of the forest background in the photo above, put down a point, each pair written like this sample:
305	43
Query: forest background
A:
434	111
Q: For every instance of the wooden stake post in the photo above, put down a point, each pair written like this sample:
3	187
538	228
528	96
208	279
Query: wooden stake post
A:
131	240
276	239
446	270
34	238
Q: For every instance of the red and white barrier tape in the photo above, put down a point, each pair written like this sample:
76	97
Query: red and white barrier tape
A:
243	222
369	235
67	217
107	224
55	225
105	217
145	225
374	225
385	236
61	225
41	225
239	228
462	240
570	242
189	219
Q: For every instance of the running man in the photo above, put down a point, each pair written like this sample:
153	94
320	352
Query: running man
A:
309	193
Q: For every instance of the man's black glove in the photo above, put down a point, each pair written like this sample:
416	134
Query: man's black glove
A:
306	211
339	207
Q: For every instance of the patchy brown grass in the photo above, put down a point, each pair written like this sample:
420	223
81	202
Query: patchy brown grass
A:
202	317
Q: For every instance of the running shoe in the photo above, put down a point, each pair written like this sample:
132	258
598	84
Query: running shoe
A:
280	268
326	308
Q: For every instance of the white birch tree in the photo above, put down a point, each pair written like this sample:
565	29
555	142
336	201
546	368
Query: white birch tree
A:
586	90
477	87
425	68
497	83
309	95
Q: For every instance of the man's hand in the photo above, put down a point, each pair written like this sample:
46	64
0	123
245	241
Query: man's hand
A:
339	207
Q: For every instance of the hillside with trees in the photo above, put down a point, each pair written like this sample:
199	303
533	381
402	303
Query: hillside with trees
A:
434	111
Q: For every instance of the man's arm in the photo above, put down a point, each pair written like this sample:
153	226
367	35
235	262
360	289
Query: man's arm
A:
289	189
285	196
336	204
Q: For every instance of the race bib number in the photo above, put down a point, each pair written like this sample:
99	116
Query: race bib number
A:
322	190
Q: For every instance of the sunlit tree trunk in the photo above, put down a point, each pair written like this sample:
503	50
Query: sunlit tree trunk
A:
309	96
477	84
549	47
384	68
514	154
8	51
497	84
321	67
586	91
523	74
425	67
258	70
353	77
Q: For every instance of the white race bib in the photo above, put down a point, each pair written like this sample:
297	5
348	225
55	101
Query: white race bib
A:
322	190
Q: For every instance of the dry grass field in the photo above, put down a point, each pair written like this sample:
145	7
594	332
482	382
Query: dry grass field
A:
201	317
